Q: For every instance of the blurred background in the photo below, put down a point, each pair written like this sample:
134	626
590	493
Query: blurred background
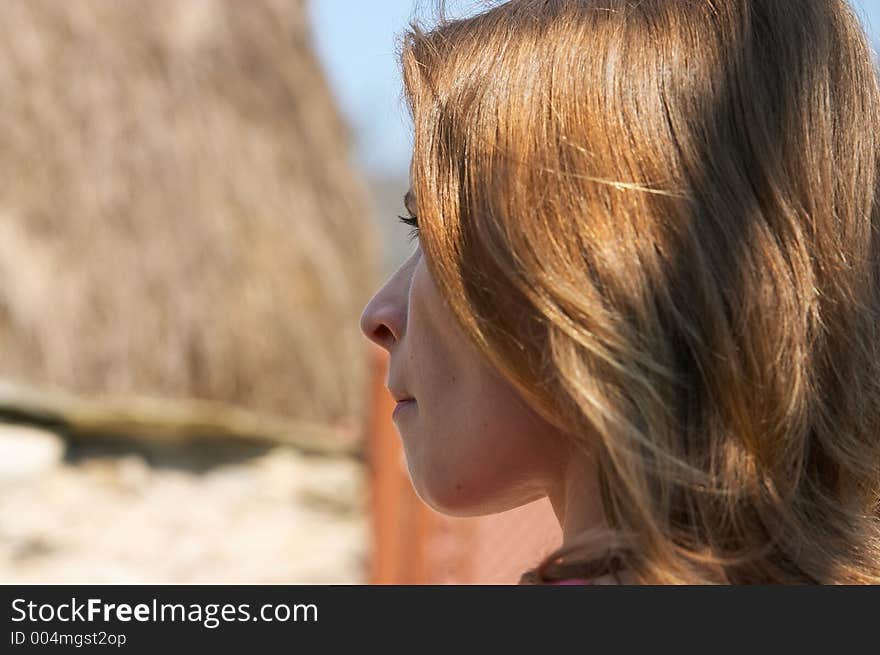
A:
197	198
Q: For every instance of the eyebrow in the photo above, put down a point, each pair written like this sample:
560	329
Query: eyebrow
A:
409	202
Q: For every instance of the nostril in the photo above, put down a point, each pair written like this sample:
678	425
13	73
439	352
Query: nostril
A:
382	335
383	320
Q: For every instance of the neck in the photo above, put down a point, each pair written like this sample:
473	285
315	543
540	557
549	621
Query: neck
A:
577	504
576	500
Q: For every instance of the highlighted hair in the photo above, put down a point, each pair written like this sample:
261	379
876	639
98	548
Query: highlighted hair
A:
661	221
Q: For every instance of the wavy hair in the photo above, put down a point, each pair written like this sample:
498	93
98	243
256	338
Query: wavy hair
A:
661	222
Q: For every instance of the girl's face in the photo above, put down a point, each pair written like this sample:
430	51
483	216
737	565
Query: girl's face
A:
472	444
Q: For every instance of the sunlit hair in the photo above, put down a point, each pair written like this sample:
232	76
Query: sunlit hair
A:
661	220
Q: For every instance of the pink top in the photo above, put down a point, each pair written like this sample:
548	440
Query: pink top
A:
573	581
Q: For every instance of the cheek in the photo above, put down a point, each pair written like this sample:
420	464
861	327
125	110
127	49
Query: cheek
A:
442	357
472	446
489	457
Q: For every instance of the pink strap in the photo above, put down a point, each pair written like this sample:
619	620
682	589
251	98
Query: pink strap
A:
573	581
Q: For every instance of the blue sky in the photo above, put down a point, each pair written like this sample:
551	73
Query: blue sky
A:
355	40
356	43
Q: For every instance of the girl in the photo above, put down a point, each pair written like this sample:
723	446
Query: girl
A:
647	284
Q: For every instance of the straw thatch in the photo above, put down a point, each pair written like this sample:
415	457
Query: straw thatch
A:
178	216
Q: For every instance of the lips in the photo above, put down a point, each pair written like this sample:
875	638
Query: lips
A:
401	405
399	396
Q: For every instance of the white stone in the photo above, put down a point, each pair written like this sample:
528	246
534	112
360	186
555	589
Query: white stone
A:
26	452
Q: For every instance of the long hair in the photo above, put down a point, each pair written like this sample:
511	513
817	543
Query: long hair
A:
661	222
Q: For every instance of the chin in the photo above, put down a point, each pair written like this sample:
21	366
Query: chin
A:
462	500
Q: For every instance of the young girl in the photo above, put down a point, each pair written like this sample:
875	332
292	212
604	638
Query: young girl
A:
647	285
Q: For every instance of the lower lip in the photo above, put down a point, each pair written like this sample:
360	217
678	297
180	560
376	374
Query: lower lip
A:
403	404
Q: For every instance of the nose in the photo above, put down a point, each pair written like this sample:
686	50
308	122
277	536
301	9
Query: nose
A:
383	320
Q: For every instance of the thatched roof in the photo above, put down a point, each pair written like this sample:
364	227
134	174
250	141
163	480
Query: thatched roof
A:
178	216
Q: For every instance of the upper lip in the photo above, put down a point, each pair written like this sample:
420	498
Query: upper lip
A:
400	397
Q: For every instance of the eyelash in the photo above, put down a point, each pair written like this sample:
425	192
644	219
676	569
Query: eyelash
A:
413	222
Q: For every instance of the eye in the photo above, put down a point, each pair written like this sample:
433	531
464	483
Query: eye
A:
413	222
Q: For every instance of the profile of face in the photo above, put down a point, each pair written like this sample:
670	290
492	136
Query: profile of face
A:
472	445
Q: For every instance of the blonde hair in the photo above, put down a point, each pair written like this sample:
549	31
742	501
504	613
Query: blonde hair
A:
659	220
